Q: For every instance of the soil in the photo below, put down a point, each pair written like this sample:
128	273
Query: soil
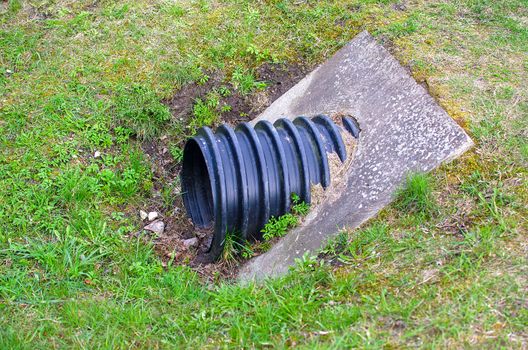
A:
279	78
181	103
166	170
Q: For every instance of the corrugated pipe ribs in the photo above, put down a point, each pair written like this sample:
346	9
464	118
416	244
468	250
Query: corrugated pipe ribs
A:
236	180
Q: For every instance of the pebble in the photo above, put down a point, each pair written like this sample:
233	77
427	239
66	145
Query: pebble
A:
97	154
157	227
191	242
153	215
143	214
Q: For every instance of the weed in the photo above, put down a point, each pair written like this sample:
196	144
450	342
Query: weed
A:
98	135
225	108
224	91
279	226
308	263
275	227
205	112
122	134
176	153
299	208
245	81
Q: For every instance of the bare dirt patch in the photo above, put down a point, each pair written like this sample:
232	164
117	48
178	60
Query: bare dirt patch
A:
181	103
279	78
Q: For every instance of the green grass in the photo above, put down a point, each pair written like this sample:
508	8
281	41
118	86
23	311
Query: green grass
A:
416	195
445	266
278	226
139	111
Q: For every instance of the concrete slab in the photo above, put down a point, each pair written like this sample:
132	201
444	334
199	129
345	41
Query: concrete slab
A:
403	130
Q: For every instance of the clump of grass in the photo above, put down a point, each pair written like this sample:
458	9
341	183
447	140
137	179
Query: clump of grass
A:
139	109
14	6
416	196
234	249
229	253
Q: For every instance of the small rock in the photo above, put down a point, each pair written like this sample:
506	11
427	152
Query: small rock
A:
164	150
97	154
191	242
143	215
157	227
153	215
399	6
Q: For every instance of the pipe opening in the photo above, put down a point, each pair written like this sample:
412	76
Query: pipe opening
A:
198	198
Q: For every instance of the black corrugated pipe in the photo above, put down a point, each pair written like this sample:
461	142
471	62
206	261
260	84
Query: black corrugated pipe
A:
235	180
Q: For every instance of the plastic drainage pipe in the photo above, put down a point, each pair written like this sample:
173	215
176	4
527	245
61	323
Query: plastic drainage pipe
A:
235	180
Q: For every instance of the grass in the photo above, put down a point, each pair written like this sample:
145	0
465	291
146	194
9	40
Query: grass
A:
81	77
139	112
235	252
416	195
278	226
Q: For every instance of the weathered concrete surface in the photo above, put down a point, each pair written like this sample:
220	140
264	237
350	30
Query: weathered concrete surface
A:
403	130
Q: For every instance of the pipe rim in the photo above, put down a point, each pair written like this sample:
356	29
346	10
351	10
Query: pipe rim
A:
192	199
206	141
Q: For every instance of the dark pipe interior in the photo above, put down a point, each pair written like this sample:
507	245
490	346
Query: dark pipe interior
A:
198	197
